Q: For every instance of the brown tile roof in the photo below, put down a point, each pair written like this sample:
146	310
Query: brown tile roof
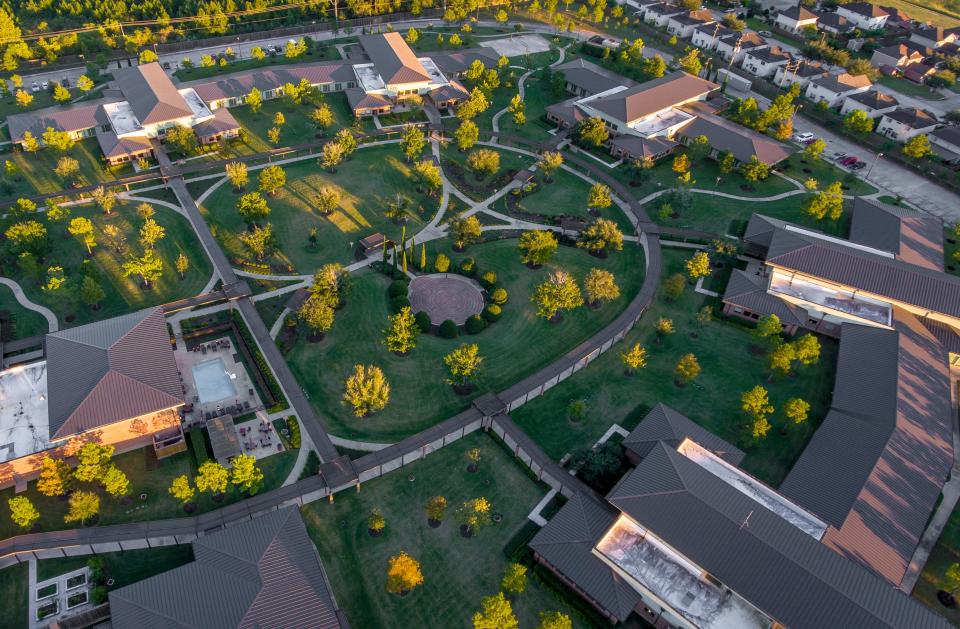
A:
393	59
914	237
728	136
844	82
151	94
221	122
653	96
874	99
110	371
240	84
799	14
72	118
590	77
773	54
112	146
359	100
458	62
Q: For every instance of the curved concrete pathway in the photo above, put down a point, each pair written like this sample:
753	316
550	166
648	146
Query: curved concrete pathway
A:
22	299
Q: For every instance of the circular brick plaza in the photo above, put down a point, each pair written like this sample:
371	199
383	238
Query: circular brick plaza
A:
445	296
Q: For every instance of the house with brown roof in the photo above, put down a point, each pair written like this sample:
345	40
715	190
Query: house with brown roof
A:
904	123
834	23
930	36
897	56
833	88
872	102
796	19
863	15
114	381
725	136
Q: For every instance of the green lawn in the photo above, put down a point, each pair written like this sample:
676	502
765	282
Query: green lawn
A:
730	216
941	12
147	476
298	128
124	567
122	294
728	369
909	88
455	168
367	183
565	196
825	173
944	554
501	98
536	97
457	572
36	170
16	322
419	397
14	587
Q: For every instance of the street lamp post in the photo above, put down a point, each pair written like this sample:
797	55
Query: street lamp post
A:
875	159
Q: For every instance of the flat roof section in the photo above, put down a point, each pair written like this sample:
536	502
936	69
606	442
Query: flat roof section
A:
24	422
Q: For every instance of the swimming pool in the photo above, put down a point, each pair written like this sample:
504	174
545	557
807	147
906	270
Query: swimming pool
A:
213	381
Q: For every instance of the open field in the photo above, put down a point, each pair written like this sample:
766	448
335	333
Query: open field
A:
35	171
457	572
713	400
419	396
367	183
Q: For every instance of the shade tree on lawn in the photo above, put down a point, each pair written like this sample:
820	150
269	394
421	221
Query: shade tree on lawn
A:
331	155
55	477
698	266
518	110
664	327
366	390
182	490
463	364
483	162
754	171
149	267
634	358
687	369
317	315
549	163
92	461
22	512
473	515
413	142
67	168
403	574
427	175
83	505
28	237
537	247
115	482
559	292
496	612
212	477
347	141
82	229
105	198
756	404
327	199
465	231
599	197
592	132
331	283
769	329
245	474
826	203
600	286
151	232
402	332
271	179
554	620
514	578
466	135
674	286
796	409
237	174
322	117
259	241
474	105
601	236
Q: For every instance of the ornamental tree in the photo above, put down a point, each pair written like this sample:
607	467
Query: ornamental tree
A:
466	135
436	508
537	247
674	286
664	327
151	232
347	141
322	116
698	266
255	100
272	178
403	573
756	403
474	514
815	149
22	512
259	241
554	620
558	293
514	579
83	506
331	283
769	328
427	175
796	409
413	142
496	612
366	390
115	482
237	174
601	286
82	229
807	349
687	369
93	460
634	358
105	198
781	359
549	163
212	477
181	489
593	132
476	104
917	147
600	236
599	197
857	121
149	267
327	199
317	315
67	168
55	477
245	474
463	364
465	231
331	155
754	171
483	162
401	334
826	203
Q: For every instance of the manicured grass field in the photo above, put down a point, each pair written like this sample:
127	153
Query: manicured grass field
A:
909	88
730	216
122	294
536	97
457	572
825	173
123	567
147	476
513	347
713	400
22	322
14	586
36	170
566	196
944	554
298	128
367	184
467	182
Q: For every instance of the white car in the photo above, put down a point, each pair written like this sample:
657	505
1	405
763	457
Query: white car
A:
45	86
764	33
35	87
803	137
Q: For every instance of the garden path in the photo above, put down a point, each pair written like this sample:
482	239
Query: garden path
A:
24	301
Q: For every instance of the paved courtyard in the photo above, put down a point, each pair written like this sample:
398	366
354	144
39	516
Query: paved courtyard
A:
446	296
215	379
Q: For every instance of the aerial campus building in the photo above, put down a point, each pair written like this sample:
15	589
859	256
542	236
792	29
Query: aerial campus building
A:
142	103
687	539
652	119
114	381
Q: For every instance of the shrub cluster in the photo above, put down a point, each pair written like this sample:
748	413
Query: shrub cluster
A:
294	427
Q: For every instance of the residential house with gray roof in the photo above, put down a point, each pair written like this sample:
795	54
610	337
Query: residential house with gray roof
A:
905	123
872	102
832	89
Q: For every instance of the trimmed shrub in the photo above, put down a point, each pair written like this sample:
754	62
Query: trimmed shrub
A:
488	279
399	303
492	312
294	427
449	329
499	296
423	321
397	288
442	263
468	267
475	324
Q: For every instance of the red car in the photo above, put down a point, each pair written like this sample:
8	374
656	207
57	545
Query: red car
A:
850	161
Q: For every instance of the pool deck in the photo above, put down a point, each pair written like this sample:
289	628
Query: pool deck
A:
222	349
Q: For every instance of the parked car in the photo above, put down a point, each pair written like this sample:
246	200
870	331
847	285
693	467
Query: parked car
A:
764	33
804	137
858	165
838	155
45	86
849	161
35	87
809	141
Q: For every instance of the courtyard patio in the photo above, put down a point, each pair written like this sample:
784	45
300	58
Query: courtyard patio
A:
215	381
